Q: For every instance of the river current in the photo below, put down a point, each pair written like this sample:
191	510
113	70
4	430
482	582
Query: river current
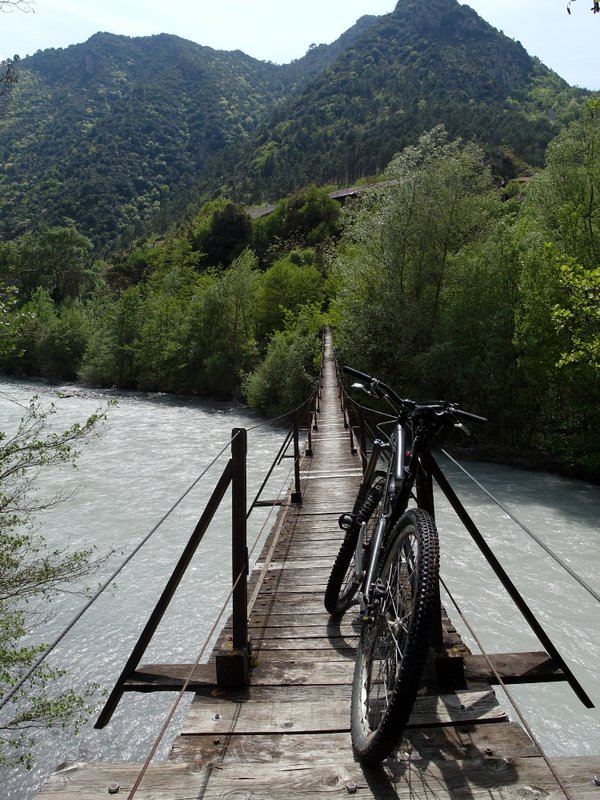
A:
153	449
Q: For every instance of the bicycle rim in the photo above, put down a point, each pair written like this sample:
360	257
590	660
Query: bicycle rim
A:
395	639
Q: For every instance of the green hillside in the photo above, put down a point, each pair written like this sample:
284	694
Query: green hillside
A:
120	136
424	64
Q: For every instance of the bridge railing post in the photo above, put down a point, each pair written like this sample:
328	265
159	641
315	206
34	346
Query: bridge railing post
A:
233	665
297	493
363	439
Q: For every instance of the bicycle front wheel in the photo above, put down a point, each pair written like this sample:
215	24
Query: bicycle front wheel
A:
343	581
394	640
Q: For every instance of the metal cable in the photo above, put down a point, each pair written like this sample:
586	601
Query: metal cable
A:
42	657
528	531
180	694
509	694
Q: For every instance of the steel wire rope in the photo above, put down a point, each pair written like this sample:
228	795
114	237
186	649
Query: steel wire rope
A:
183	689
48	650
508	693
282	416
581	581
102	588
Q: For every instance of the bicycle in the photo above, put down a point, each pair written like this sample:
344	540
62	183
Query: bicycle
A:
390	557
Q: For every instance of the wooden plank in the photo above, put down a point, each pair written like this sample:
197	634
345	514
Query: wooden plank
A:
404	778
449	780
304	644
513	668
504	740
302	631
161	781
294	779
225	717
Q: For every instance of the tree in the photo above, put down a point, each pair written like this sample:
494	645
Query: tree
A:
401	247
11	319
220	232
579	313
30	570
8	66
55	258
229	326
557	321
285	287
287	375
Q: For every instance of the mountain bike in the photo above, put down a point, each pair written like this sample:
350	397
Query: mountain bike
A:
390	557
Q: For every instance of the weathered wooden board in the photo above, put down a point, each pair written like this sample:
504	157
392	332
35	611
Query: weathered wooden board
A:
477	779
451	780
304	644
513	668
210	716
285	672
169	781
505	740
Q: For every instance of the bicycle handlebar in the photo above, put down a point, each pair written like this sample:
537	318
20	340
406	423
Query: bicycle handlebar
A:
377	387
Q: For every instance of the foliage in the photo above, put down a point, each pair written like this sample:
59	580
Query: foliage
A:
114	133
220	232
11	321
393	286
446	290
284	380
56	259
285	287
123	136
31	573
423	64
579	313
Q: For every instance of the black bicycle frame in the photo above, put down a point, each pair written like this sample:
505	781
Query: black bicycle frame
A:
396	488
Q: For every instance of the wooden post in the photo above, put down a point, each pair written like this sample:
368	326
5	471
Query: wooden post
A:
297	493
166	596
363	440
309	450
232	665
350	429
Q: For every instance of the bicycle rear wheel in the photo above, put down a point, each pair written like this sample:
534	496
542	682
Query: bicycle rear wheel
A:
395	639
343	583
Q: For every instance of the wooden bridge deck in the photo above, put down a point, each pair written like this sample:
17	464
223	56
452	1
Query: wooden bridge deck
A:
286	735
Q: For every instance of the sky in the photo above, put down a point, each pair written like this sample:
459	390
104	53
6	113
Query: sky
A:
282	30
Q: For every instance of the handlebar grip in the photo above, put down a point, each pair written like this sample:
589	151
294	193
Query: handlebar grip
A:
466	415
357	374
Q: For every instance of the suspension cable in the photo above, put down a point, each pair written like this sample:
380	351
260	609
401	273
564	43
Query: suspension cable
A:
283	415
183	689
44	655
509	694
108	582
581	581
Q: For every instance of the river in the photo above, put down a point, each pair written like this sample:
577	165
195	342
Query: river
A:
154	447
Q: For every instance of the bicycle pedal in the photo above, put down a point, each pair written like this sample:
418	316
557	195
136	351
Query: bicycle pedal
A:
346	521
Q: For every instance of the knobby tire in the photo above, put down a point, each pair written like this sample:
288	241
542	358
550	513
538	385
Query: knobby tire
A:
394	640
342	584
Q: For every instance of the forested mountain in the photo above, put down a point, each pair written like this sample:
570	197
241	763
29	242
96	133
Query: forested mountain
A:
119	134
103	132
426	63
109	132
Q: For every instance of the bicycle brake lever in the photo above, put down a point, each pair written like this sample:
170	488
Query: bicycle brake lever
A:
362	388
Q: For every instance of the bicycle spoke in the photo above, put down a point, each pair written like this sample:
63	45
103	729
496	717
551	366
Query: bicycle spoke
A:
395	638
